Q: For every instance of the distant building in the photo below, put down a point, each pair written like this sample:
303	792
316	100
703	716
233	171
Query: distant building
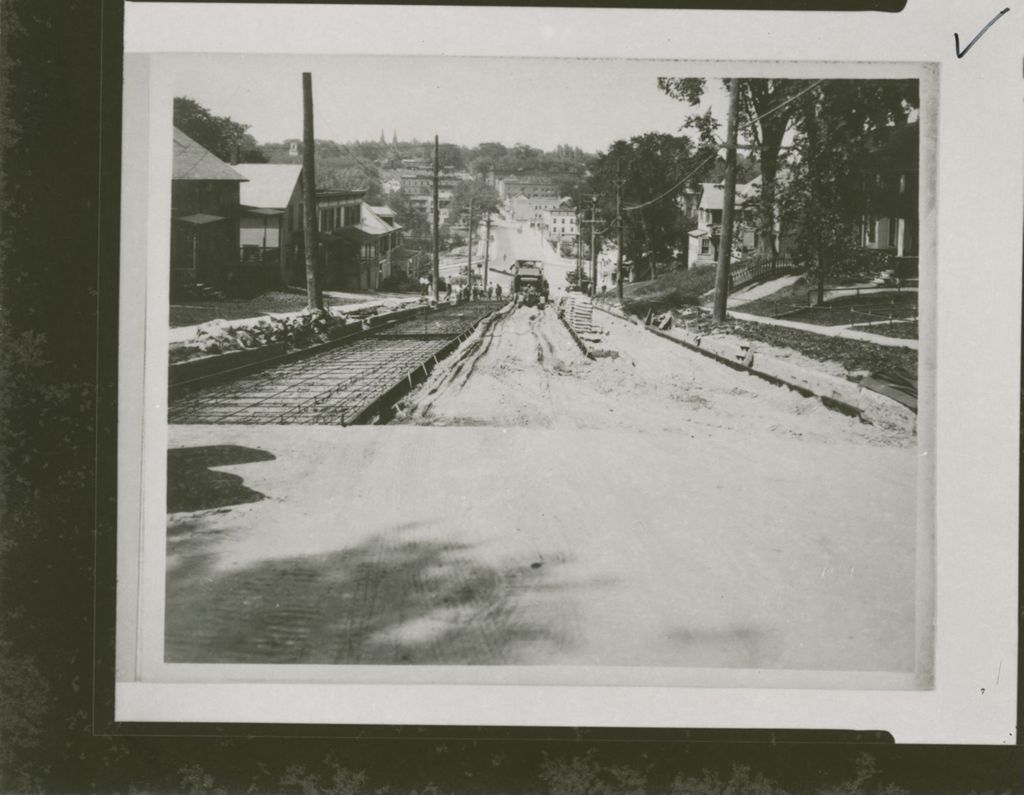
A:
521	208
560	222
533	185
354	241
424	203
204	218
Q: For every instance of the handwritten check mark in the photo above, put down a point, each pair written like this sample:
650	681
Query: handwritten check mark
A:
956	36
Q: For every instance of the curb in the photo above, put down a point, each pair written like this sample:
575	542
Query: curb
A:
836	393
195	369
576	338
386	402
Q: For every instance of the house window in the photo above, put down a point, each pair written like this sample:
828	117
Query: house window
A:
903	183
871	230
705	245
892	232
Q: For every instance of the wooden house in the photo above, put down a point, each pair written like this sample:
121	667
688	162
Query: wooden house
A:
204	218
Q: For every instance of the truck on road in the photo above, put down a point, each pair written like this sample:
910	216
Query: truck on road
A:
528	282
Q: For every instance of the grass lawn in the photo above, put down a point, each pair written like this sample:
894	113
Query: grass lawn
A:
791	302
903	331
851	354
785	299
192	313
670	290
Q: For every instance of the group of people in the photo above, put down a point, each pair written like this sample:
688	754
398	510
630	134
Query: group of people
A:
474	293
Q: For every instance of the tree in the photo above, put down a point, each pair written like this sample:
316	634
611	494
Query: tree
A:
413	220
331	175
766	111
839	125
656	168
222	135
486	156
485	199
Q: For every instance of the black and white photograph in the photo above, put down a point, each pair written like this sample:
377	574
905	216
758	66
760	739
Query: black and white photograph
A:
521	380
572	364
450	399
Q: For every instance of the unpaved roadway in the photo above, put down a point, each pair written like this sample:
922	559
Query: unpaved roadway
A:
532	507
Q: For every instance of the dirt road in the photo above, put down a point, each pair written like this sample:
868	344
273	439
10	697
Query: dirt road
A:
653	510
525	370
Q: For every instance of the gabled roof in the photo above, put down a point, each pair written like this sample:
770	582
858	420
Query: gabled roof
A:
193	161
383	211
373	224
713	193
270	185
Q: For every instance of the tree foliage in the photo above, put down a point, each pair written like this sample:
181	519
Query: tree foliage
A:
840	124
484	200
656	168
222	135
765	112
413	220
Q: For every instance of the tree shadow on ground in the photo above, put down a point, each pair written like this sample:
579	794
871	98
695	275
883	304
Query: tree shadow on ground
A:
193	486
389	600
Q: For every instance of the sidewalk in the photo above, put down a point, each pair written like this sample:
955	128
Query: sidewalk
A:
828	331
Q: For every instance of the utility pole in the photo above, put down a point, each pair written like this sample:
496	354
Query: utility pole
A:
728	205
469	254
314	290
487	249
619	182
579	249
437	230
593	251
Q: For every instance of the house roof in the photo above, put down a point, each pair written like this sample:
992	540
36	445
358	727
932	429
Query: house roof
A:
371	222
193	161
370	227
713	193
270	185
382	211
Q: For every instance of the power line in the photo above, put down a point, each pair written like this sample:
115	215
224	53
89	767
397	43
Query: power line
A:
721	144
679	184
783	104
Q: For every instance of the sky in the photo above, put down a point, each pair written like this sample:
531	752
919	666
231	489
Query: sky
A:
586	103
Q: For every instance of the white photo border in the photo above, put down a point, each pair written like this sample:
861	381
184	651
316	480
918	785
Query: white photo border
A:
973	572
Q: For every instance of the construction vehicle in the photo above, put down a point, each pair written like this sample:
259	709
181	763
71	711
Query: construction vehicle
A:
528	282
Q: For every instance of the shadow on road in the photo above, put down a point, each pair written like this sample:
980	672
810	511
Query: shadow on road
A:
193	486
389	600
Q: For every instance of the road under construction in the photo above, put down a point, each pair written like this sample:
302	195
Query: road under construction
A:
346	383
528	505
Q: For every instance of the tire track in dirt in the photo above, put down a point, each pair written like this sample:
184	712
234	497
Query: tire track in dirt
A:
465	360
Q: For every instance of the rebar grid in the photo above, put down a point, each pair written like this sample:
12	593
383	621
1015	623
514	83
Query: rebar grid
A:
334	387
